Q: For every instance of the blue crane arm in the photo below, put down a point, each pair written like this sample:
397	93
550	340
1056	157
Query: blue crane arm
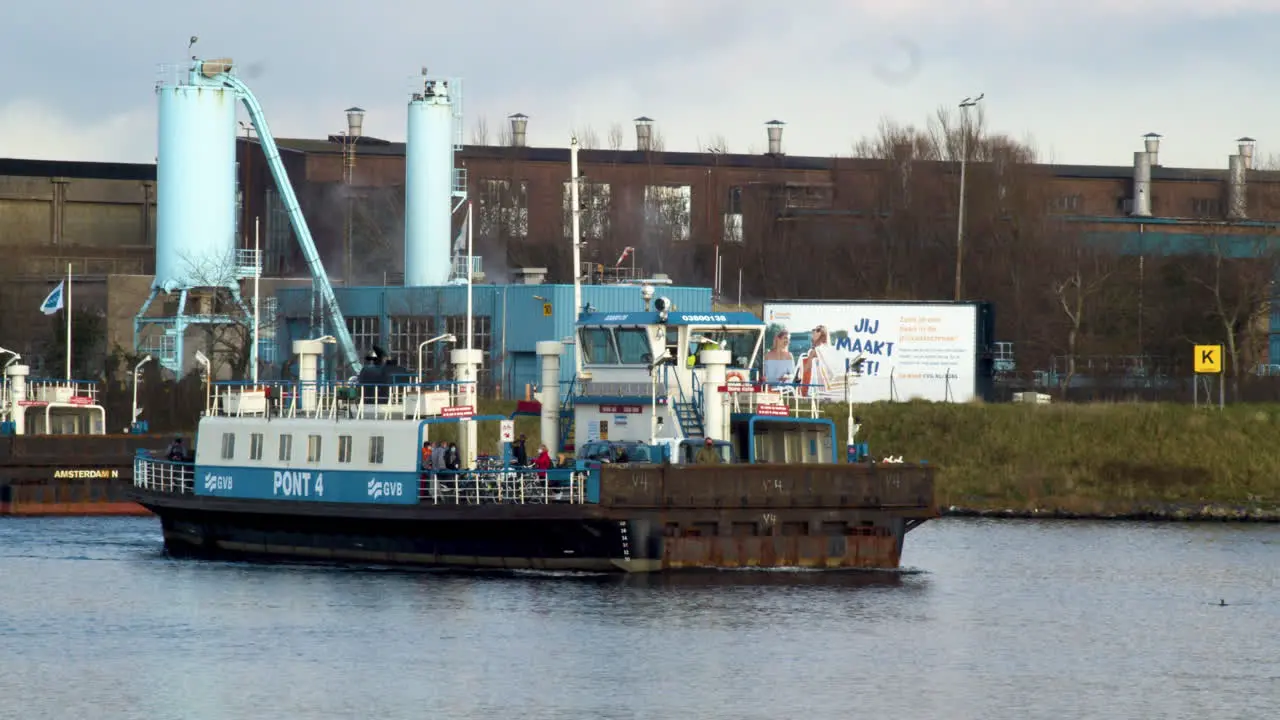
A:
290	201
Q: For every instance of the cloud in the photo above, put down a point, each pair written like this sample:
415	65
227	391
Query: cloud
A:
38	131
1084	77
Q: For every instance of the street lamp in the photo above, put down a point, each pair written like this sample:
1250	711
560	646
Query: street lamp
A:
136	369
964	156
208	376
449	338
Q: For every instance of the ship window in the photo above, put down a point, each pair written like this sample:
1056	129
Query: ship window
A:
344	448
286	448
313	448
255	446
633	347
228	445
375	450
598	347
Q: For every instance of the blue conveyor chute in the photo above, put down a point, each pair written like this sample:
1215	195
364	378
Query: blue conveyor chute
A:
290	202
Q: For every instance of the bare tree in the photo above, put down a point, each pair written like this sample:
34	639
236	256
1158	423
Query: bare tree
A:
587	138
1236	277
480	131
1082	272
615	136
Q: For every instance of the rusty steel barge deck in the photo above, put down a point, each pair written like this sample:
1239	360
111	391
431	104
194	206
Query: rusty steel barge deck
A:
636	518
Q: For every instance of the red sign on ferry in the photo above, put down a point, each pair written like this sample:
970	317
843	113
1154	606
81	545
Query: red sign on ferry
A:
80	400
458	411
772	409
621	409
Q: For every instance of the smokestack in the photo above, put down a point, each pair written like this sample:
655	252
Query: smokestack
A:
355	122
1246	151
1153	147
519	124
644	133
1237	204
774	128
1142	183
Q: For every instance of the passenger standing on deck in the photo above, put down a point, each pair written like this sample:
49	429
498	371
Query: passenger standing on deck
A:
519	453
451	460
438	457
426	455
707	455
543	461
176	452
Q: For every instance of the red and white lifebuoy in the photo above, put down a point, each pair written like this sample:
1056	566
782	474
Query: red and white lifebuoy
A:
735	381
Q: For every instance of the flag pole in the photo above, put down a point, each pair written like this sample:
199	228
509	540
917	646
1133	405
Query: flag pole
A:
68	311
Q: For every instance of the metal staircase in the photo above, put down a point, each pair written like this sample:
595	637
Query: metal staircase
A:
690	419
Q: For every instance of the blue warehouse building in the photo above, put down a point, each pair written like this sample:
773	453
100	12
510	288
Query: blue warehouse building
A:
508	322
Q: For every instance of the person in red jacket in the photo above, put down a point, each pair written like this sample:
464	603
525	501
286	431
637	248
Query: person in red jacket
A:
543	461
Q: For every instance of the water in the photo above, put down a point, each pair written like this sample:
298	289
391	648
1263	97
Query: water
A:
994	619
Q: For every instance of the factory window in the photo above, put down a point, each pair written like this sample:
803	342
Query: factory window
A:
376	444
733	228
279	242
344	448
406	334
594	202
365	332
255	446
734	203
807	196
503	208
1066	203
667	211
228	445
482	340
1205	207
286	448
313	448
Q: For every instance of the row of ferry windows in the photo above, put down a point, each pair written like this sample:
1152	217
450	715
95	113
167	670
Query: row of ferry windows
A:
345	445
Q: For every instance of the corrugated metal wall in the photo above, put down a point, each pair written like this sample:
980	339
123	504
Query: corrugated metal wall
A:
518	317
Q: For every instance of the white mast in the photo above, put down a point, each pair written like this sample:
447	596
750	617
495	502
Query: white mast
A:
68	308
577	252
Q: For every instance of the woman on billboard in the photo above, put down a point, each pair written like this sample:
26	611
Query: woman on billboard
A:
779	364
815	368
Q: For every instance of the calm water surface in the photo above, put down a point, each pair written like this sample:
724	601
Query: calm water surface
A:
993	619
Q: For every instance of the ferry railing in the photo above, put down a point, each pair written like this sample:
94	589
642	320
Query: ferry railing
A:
62	391
800	400
335	400
166	476
514	485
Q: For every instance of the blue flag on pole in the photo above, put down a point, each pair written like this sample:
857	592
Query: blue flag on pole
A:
53	303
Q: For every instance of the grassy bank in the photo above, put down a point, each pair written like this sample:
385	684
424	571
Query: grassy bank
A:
1112	459
1093	460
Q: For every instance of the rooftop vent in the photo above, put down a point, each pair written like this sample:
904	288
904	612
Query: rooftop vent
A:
774	128
644	133
1246	151
519	126
1152	141
355	122
532	275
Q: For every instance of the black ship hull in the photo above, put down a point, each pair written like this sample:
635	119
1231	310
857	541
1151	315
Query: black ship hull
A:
576	537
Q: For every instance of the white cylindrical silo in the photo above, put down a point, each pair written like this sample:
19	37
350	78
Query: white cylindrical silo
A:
196	186
428	186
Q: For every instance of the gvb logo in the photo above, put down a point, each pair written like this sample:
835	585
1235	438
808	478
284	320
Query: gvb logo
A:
385	488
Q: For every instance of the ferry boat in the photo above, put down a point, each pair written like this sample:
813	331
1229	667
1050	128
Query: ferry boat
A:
55	455
314	470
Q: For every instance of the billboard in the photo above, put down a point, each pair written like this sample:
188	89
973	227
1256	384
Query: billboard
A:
909	351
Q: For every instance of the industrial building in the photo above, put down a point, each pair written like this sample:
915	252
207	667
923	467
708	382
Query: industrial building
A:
339	231
508	321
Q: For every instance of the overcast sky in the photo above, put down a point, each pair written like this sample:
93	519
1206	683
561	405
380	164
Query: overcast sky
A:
1082	79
